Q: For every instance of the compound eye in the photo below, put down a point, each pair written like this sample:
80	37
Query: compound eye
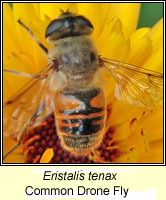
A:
54	26
68	26
80	20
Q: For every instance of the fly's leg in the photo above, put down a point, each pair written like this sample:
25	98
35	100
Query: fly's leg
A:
39	43
37	112
12	149
20	73
36	40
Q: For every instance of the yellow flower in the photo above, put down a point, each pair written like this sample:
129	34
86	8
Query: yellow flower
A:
133	135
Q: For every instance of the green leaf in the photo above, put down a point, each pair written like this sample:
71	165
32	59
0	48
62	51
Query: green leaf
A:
11	5
150	14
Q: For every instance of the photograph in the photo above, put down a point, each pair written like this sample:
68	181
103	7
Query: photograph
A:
82	83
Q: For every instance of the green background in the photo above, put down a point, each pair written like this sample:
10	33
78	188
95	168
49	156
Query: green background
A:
149	15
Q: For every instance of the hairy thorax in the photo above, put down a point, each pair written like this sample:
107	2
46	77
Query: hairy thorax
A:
77	56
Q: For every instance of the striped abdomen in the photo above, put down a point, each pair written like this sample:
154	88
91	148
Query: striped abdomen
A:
80	119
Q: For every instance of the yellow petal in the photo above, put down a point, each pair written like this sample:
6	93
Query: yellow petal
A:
11	85
122	113
25	11
156	153
111	42
47	156
95	13
21	12
155	61
99	13
142	141
122	132
153	125
156	32
140	47
16	156
37	7
128	13
30	49
10	37
131	156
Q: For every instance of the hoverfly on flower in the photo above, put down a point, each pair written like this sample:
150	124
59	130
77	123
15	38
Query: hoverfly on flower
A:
72	89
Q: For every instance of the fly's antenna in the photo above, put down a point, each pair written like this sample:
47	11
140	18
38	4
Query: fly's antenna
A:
62	11
67	10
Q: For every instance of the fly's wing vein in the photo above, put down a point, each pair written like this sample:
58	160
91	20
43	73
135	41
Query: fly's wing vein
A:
18	110
136	85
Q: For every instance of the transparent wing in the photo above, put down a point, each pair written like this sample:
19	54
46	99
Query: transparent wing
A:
136	85
25	104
